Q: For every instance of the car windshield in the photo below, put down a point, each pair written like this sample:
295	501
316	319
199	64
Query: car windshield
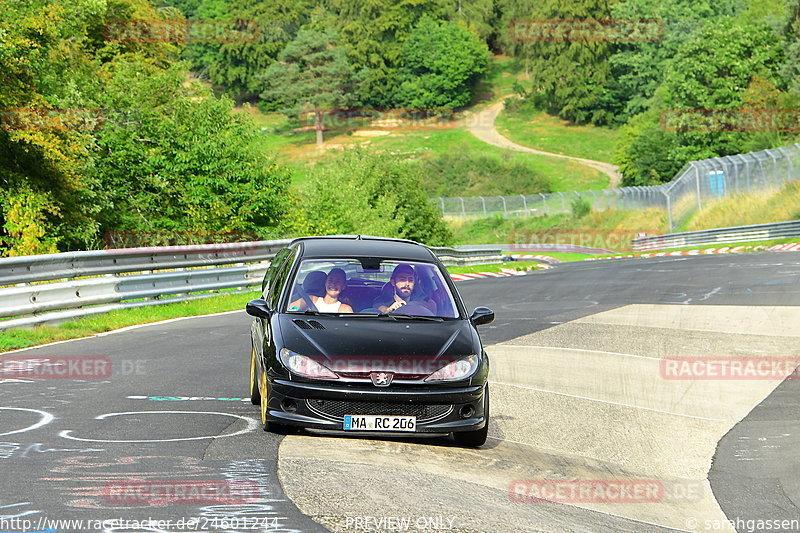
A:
371	286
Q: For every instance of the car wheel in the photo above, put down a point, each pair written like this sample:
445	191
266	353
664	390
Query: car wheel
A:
473	439
264	400
272	427
255	395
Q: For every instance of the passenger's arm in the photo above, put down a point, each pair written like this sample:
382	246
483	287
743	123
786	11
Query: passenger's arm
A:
298	305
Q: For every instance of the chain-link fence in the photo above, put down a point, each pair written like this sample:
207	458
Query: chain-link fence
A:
696	183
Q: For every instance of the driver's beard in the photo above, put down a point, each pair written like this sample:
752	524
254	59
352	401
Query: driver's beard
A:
401	295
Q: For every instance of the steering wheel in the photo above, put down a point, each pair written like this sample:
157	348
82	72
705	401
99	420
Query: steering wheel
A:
307	298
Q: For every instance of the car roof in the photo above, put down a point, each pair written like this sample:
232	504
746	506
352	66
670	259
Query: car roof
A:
364	246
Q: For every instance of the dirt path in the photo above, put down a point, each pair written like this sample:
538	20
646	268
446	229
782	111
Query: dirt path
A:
482	126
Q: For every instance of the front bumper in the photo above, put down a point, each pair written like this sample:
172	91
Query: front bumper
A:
323	406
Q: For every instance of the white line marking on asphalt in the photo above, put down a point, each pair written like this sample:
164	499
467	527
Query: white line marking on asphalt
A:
710	294
608	402
503	345
252	425
46	419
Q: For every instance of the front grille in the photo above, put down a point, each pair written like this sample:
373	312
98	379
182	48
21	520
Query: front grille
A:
336	409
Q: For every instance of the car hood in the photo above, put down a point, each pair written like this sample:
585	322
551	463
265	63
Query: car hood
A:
366	342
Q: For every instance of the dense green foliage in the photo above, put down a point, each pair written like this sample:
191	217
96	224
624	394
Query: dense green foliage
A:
103	134
372	194
441	62
103	130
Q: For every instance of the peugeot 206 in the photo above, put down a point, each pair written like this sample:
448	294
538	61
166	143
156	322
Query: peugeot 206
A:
367	335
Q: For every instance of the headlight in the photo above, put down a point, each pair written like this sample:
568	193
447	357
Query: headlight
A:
456	370
305	366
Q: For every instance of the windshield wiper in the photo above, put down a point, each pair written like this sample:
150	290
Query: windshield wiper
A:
411	317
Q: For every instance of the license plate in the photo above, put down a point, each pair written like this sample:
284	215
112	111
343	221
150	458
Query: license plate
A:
379	423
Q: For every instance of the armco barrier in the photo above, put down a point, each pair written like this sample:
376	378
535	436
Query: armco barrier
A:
757	232
159	275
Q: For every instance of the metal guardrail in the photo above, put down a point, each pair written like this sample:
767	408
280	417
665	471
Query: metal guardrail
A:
158	274
31	268
757	232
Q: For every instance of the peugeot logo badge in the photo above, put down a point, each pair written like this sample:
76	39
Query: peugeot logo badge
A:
381	379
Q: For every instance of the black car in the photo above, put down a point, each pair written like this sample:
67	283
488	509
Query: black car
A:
367	334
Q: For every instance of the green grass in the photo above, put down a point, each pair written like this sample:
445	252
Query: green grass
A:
562	174
22	338
499	80
747	208
537	129
565	257
511	265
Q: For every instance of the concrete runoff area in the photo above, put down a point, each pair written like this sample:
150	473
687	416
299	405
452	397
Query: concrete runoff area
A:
584	400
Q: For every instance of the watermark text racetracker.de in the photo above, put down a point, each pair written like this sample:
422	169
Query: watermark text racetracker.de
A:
150	524
589	237
604	490
68	367
170	492
743	119
729	368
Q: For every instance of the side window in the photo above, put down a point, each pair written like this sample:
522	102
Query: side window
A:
273	268
279	280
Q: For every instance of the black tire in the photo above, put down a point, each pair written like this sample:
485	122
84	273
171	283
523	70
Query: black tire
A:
473	439
255	395
263	399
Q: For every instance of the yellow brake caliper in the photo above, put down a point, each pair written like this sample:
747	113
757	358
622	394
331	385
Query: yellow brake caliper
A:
252	370
263	397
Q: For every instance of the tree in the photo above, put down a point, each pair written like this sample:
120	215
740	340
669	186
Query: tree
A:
311	75
441	61
371	193
568	74
728	68
372	32
713	71
172	157
238	65
637	68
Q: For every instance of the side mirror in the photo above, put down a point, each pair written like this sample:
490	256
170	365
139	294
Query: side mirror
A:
258	308
482	315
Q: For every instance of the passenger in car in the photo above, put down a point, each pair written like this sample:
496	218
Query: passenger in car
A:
335	283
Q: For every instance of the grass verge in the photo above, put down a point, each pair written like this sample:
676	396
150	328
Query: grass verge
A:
537	129
510	265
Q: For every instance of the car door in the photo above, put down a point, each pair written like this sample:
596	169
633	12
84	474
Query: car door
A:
258	326
274	284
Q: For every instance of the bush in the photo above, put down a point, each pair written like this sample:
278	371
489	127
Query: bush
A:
461	174
441	62
367	193
580	208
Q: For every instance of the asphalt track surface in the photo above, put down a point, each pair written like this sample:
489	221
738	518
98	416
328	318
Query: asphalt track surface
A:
171	413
